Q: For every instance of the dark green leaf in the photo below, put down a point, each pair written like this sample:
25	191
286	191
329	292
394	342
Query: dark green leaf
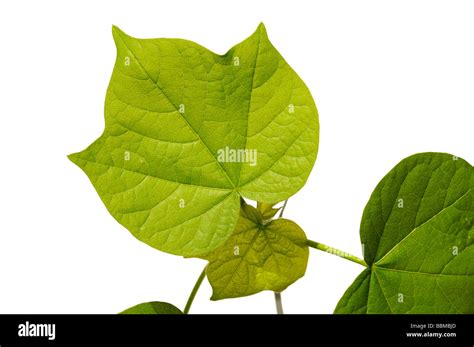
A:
417	232
153	307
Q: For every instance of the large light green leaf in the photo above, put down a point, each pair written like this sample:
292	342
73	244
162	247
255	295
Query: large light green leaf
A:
175	113
153	307
418	236
258	256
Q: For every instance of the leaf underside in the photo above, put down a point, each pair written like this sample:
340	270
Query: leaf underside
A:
418	237
257	257
174	114
153	307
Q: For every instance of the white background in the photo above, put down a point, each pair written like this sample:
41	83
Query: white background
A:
390	78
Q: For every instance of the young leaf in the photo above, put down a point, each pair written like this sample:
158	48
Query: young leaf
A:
188	132
267	210
257	257
417	232
153	307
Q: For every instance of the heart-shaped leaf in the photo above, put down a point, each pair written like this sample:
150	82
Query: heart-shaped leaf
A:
188	132
257	257
153	307
418	237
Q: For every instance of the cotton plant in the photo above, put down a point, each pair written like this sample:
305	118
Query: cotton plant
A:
201	152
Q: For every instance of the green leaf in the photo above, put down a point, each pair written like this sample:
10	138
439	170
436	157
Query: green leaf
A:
267	210
176	116
418	237
153	307
257	257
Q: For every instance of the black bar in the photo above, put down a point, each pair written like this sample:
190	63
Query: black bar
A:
319	330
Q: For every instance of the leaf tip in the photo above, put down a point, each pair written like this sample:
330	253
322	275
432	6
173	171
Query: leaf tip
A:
74	157
216	296
261	29
117	32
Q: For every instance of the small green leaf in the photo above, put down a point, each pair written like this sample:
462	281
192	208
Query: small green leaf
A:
257	257
267	210
417	235
188	132
153	307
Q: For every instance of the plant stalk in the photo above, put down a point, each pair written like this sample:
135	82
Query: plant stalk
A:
278	302
335	251
194	291
283	209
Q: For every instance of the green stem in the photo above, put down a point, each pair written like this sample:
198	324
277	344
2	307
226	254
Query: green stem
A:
194	291
283	208
278	302
335	251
